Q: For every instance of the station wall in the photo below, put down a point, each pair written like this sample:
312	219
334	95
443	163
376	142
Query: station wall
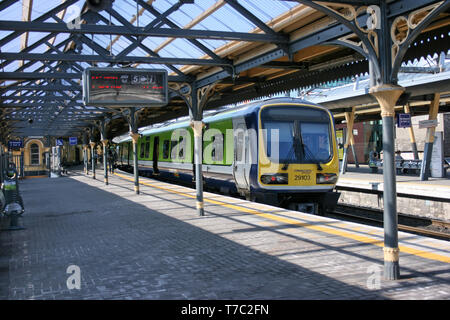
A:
368	136
403	142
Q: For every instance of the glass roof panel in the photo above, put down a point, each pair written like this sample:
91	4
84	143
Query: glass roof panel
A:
225	18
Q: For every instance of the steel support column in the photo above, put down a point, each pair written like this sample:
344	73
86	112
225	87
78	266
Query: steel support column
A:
197	100
197	126
85	153
429	139
387	95
85	158
105	161
134	136
93	158
48	146
105	144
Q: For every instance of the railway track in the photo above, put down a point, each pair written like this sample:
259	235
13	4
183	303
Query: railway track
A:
418	225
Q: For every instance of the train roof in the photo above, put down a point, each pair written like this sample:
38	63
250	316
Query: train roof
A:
241	110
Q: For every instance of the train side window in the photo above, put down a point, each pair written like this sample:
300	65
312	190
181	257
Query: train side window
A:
147	149
217	151
213	151
166	149
239	145
173	148
180	152
141	155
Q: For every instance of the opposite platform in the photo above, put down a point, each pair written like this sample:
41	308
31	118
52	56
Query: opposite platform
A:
406	184
428	199
154	246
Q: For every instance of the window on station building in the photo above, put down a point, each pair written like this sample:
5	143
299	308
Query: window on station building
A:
34	154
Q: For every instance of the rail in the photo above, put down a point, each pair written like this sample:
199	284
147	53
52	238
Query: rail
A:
418	225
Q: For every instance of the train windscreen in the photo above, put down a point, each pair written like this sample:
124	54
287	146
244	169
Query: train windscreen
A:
295	134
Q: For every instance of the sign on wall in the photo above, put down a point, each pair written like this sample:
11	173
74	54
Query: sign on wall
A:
428	124
404	120
15	144
59	142
73	141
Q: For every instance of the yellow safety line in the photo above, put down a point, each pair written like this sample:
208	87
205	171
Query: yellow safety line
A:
360	238
424	184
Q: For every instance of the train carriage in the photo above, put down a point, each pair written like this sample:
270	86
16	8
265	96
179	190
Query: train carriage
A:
278	151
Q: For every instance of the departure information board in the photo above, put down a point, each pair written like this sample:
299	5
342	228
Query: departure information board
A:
114	86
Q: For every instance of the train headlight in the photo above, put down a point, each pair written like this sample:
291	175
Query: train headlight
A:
326	178
278	178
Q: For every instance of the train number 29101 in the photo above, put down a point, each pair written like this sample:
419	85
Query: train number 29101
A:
302	177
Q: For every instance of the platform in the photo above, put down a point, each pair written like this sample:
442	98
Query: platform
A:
154	246
407	184
429	198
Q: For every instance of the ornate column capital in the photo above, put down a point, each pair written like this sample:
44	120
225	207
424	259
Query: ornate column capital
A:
197	126
134	136
387	95
105	142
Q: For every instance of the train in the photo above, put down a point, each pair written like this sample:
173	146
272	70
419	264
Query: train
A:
279	151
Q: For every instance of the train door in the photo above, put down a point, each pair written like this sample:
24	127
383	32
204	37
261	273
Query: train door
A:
155	154
241	161
130	150
340	142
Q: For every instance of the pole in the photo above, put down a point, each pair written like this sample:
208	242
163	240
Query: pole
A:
429	139
387	95
85	160
105	162
93	159
135	138
412	138
197	126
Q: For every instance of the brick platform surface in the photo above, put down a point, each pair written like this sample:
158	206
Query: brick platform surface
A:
154	246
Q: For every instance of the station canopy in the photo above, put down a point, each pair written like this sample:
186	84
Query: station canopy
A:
246	49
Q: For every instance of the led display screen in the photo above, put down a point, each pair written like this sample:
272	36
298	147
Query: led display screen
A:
114	86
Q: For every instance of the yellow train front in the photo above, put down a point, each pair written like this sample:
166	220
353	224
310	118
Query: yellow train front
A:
298	162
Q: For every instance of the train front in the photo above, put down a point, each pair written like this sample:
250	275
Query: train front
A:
298	158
